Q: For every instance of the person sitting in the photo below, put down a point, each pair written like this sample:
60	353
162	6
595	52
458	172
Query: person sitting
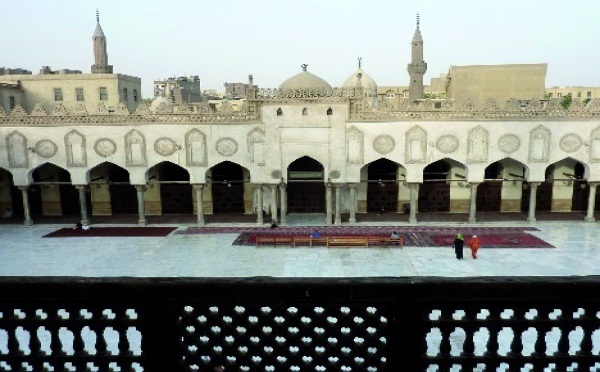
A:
394	235
8	213
78	226
273	224
316	234
382	210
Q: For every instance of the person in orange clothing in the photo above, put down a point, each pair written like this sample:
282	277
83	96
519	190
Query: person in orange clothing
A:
475	243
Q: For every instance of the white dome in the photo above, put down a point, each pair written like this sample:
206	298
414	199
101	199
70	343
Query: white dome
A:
156	104
367	82
305	80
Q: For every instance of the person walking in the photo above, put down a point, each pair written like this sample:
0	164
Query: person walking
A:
458	245
475	243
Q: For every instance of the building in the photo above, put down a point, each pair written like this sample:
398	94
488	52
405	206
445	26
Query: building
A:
305	147
179	90
239	90
500	82
584	93
71	90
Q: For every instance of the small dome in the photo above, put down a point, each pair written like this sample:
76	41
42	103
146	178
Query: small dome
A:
305	80
366	81
156	104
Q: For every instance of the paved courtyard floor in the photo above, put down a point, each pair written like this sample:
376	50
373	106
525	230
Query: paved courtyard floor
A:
23	252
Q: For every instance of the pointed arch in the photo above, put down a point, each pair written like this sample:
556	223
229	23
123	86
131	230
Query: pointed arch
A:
170	183
111	190
383	192
305	187
227	180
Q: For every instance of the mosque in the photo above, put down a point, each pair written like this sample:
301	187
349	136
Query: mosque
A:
87	145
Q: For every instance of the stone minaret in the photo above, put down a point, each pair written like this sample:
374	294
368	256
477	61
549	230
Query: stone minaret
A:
417	67
100	65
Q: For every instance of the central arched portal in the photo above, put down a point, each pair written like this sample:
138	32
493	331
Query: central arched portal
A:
382	187
306	188
227	188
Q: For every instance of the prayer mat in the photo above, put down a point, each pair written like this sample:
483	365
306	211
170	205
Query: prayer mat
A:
111	232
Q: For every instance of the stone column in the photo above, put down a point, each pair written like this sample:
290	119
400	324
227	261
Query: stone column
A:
141	207
28	221
591	202
414	195
532	201
83	204
352	203
199	188
327	204
338	204
473	203
283	202
274	203
259	201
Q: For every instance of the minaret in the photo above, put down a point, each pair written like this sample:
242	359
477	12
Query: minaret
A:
417	67
100	65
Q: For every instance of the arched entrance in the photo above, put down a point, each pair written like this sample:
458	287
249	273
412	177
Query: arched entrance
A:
306	188
227	183
52	193
111	191
581	191
489	193
175	191
434	192
11	198
382	186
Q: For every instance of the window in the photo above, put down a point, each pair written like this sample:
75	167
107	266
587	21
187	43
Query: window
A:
58	94
549	95
279	112
135	97
125	94
79	94
589	94
570	94
559	95
578	94
329	111
103	94
305	111
11	102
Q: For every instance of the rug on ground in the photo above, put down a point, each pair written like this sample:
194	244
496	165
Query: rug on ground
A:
111	232
414	236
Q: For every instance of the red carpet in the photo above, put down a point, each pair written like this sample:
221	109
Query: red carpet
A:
111	232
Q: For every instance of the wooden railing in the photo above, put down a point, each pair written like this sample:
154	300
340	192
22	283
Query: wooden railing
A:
324	324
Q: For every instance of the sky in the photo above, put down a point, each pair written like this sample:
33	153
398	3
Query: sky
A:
225	41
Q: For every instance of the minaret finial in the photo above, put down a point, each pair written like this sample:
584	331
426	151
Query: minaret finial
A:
418	19
359	61
97	16
304	66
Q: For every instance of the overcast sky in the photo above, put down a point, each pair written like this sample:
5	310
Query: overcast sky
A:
224	41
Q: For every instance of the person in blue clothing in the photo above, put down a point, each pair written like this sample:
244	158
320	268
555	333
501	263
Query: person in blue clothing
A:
316	234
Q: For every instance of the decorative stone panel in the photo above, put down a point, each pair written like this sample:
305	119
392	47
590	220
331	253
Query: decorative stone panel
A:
143	109
334	174
16	146
135	149
477	148
276	174
509	143
121	110
59	110
384	144
39	110
165	146
539	145
226	146
255	145
80	110
355	146
195	148
18	111
101	109
595	146
105	147
416	145
570	142
76	151
46	148
447	143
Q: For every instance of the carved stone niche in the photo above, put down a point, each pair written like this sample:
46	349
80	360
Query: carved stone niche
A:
76	151
195	148
355	146
16	146
477	150
255	145
135	149
416	145
539	145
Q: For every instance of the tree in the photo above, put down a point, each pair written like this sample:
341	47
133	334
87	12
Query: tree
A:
566	101
430	95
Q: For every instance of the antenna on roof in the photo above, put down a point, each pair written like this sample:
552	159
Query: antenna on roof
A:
304	66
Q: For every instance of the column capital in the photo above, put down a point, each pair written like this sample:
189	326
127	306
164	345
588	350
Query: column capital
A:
282	185
200	186
140	187
534	185
413	185
352	185
80	187
23	187
593	183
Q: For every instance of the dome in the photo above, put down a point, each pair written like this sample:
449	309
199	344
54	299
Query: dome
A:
156	105
305	80
367	82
